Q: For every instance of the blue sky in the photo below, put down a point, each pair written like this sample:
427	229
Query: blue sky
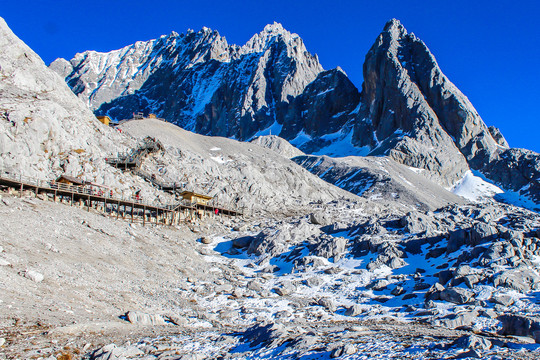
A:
489	49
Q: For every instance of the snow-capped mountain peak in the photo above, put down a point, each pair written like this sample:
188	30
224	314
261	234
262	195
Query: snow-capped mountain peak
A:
268	36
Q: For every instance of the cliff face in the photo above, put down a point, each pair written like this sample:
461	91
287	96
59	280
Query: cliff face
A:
414	114
325	106
197	80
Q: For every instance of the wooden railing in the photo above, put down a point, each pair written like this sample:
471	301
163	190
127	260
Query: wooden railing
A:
97	191
86	189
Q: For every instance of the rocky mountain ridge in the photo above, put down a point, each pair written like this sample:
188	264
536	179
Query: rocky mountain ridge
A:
196	80
407	108
419	118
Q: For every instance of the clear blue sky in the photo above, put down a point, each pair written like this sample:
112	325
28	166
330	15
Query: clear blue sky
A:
489	49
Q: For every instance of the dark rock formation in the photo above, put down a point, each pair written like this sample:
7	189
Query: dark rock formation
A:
414	114
324	107
498	136
197	80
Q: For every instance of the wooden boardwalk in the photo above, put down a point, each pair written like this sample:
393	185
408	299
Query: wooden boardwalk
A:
101	199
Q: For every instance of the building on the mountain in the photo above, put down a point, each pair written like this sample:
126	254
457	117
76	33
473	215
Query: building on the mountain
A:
70	180
196	198
104	119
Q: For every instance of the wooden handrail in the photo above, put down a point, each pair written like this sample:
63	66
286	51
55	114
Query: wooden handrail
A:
93	190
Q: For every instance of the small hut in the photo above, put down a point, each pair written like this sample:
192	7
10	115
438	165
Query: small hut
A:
104	119
70	180
196	198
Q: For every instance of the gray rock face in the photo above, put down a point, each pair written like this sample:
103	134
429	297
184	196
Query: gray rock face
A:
498	136
502	299
473	342
33	275
521	326
324	107
343	350
400	78
113	352
456	295
415	222
197	80
373	177
483	233
518	279
321	218
414	114
62	67
140	318
454	321
330	247
353	310
279	145
266	334
517	170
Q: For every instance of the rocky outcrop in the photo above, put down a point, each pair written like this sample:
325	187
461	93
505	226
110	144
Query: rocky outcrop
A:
517	170
278	144
379	178
498	136
98	78
325	106
519	325
414	114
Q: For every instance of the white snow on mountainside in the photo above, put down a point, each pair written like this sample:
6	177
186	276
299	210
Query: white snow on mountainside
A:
475	188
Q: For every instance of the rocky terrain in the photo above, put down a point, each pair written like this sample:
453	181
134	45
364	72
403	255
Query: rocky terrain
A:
358	257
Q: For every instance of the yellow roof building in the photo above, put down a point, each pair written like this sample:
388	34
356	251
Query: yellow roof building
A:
104	119
196	198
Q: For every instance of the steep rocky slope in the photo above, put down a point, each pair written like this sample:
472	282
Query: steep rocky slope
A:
238	174
277	144
46	131
414	114
44	127
378	178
